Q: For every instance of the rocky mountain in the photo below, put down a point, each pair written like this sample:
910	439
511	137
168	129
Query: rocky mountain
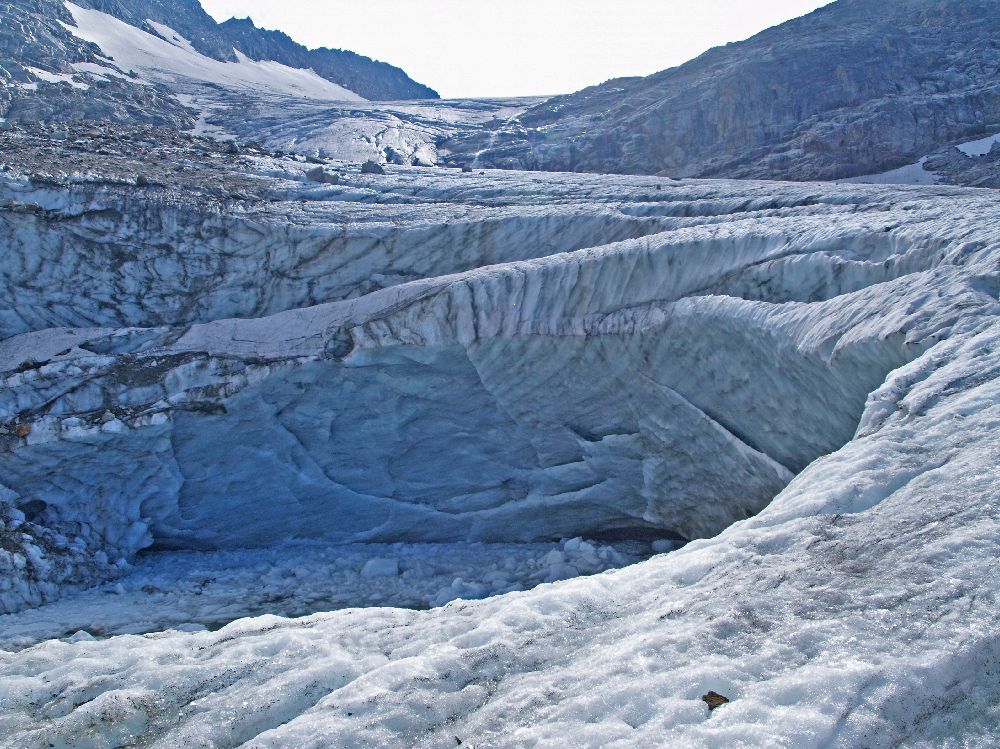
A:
373	80
117	62
855	88
376	81
162	62
186	17
300	452
47	73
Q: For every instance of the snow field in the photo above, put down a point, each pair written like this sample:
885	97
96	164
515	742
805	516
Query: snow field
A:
172	59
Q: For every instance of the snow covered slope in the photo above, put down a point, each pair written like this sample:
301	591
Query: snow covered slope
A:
173	65
170	58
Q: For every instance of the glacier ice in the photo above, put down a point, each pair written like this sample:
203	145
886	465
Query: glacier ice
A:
195	590
854	610
803	377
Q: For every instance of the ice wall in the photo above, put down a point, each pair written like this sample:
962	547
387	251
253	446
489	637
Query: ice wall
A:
673	382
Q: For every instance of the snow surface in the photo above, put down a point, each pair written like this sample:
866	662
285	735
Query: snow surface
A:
50	77
172	59
911	174
101	71
854	611
826	356
979	147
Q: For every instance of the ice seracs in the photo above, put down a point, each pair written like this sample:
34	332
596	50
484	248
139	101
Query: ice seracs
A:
671	382
802	378
853	611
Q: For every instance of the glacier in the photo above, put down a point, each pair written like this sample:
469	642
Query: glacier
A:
799	379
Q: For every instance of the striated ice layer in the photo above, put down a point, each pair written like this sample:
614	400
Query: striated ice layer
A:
856	610
541	357
673	382
94	255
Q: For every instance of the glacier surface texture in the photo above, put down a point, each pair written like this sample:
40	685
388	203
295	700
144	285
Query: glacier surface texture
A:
801	379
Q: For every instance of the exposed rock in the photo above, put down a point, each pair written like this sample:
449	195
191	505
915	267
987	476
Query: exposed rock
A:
714	700
857	87
376	81
369	78
34	34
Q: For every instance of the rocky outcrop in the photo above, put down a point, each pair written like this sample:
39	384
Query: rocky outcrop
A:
856	87
952	166
51	75
33	38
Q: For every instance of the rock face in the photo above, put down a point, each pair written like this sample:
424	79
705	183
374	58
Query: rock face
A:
186	17
33	38
857	87
639	357
369	78
366	77
952	166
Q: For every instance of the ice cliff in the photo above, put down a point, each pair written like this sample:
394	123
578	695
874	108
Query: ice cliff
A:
212	347
442	356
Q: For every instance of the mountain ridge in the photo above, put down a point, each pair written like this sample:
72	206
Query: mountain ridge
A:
40	45
369	78
854	87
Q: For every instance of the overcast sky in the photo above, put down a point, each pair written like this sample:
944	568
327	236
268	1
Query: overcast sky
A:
468	48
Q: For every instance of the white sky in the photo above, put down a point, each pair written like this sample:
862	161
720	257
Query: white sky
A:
468	48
